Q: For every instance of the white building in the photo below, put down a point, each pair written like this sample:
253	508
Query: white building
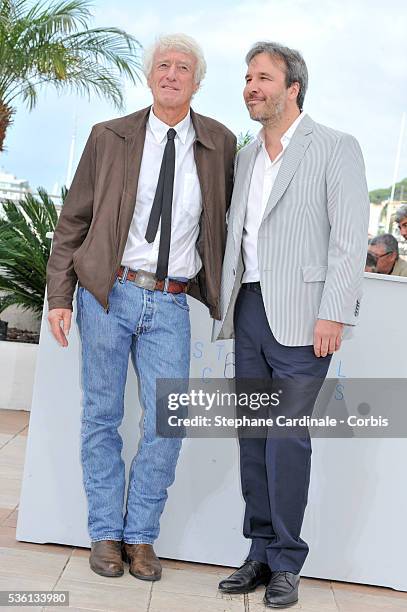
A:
12	188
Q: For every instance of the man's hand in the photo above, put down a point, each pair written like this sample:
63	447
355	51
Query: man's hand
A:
327	337
55	316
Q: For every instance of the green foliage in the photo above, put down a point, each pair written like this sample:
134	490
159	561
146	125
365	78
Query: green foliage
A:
243	140
25	249
50	42
378	195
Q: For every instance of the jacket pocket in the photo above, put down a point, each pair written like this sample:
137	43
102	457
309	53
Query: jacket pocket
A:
312	274
77	254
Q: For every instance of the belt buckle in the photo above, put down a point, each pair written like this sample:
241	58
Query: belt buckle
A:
146	280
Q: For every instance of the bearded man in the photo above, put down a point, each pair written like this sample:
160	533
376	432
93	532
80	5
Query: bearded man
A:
291	287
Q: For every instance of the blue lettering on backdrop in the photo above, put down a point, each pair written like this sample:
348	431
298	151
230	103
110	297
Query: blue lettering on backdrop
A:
198	352
339	389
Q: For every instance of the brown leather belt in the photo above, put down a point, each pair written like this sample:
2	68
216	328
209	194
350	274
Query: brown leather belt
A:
147	280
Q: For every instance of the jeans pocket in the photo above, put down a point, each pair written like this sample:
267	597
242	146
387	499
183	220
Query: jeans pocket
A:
180	299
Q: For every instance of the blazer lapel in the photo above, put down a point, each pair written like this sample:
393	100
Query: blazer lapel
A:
294	153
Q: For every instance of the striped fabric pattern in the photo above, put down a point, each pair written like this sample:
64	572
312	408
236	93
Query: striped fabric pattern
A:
313	237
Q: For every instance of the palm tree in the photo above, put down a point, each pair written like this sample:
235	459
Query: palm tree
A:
42	44
25	249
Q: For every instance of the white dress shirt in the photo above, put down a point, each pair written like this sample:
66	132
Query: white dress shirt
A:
264	175
184	260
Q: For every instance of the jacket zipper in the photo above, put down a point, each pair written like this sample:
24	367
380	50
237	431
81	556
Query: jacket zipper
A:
106	308
126	144
112	275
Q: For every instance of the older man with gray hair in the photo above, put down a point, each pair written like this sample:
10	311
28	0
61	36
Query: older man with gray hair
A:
384	249
143	224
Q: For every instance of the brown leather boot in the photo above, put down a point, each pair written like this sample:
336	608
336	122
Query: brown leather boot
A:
144	563
106	559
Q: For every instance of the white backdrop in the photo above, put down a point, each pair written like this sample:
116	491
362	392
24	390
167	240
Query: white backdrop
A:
355	519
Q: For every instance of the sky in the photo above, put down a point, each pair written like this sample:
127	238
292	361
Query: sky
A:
355	50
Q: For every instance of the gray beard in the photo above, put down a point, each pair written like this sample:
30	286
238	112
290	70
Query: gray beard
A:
274	119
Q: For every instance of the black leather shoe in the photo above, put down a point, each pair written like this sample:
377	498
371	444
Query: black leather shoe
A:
247	578
282	590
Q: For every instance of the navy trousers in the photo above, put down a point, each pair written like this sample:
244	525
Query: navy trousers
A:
275	471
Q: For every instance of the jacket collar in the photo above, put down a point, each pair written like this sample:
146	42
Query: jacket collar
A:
129	125
305	126
202	131
159	129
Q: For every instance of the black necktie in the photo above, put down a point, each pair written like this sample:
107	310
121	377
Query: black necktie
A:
162	206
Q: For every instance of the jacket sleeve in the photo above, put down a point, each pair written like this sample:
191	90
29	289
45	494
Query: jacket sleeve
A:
71	230
234	170
230	156
348	211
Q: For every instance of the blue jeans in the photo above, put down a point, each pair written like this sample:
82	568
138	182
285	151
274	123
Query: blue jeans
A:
153	327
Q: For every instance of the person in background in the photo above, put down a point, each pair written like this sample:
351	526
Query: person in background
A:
385	250
370	263
401	220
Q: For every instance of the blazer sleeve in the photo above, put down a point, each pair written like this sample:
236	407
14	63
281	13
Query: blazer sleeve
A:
71	230
348	211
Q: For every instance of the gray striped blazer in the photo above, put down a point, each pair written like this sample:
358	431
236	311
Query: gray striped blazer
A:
313	236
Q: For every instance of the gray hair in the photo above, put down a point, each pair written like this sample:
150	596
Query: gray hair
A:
401	213
178	42
295	67
388	240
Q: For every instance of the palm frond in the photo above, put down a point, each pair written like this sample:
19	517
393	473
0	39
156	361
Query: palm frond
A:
111	47
51	43
244	139
58	16
25	249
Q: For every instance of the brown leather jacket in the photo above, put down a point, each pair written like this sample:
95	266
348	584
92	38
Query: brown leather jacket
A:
93	226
